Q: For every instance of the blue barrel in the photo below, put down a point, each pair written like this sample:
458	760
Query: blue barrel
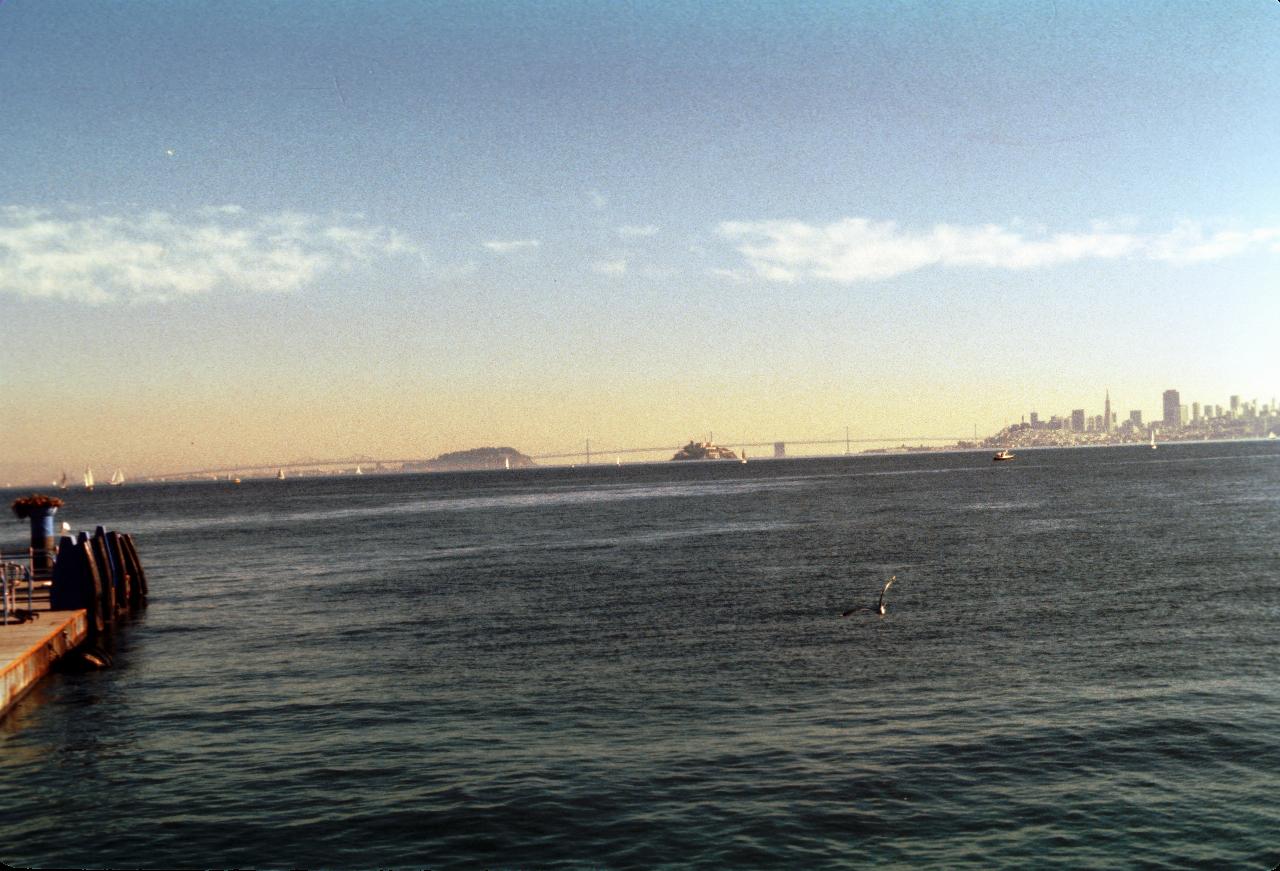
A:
42	539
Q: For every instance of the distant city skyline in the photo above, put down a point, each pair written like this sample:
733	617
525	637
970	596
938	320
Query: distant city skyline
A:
1174	413
239	232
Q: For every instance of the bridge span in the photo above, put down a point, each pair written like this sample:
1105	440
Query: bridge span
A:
586	455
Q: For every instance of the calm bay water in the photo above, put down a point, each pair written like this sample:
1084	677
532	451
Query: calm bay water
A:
645	666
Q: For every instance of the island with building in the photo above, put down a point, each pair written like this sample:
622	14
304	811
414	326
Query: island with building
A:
705	451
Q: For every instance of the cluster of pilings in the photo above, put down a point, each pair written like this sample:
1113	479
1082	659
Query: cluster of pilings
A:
102	574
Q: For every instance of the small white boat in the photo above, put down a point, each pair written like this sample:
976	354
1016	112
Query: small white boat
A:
117	478
280	474
1003	455
88	478
359	471
1153	440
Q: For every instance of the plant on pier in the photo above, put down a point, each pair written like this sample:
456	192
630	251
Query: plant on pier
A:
35	505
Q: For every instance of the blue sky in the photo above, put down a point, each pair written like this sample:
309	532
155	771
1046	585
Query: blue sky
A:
241	232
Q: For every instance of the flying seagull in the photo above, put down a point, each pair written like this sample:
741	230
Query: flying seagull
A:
879	608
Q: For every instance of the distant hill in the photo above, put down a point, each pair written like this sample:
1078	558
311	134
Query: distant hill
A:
476	459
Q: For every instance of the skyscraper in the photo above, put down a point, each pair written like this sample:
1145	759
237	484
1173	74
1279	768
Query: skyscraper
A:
1106	412
1172	410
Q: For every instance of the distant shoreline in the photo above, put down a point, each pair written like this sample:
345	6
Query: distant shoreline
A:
900	450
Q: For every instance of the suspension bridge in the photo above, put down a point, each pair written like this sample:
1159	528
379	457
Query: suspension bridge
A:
586	455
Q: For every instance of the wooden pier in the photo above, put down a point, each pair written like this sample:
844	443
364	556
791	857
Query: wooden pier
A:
28	650
63	605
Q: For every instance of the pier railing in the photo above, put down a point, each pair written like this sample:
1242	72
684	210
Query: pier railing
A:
13	576
24	578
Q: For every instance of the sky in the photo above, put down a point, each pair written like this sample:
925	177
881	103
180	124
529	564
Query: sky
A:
258	232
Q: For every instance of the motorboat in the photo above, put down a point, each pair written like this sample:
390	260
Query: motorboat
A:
1003	455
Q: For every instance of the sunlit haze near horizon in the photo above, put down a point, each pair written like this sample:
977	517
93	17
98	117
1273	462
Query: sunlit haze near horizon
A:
245	233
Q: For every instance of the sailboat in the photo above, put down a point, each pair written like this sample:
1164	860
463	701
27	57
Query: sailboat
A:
506	461
62	483
117	478
88	478
1153	440
359	471
280	474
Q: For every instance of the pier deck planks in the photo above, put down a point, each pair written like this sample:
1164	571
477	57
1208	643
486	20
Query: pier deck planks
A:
29	650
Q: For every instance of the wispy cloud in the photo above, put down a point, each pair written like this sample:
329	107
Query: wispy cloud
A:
735	275
859	249
611	267
512	246
154	256
635	231
1190	243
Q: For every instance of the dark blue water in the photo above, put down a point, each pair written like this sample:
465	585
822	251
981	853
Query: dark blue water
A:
640	667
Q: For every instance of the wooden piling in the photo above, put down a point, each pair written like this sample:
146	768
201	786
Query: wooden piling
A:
77	584
118	573
102	566
137	577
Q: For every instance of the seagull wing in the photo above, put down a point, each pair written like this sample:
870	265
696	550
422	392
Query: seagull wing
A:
887	585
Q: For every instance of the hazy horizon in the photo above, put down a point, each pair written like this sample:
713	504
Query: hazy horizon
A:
243	234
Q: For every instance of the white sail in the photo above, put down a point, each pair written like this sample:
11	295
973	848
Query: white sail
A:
280	474
88	478
117	478
359	471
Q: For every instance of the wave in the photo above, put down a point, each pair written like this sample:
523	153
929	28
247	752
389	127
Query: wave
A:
436	504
